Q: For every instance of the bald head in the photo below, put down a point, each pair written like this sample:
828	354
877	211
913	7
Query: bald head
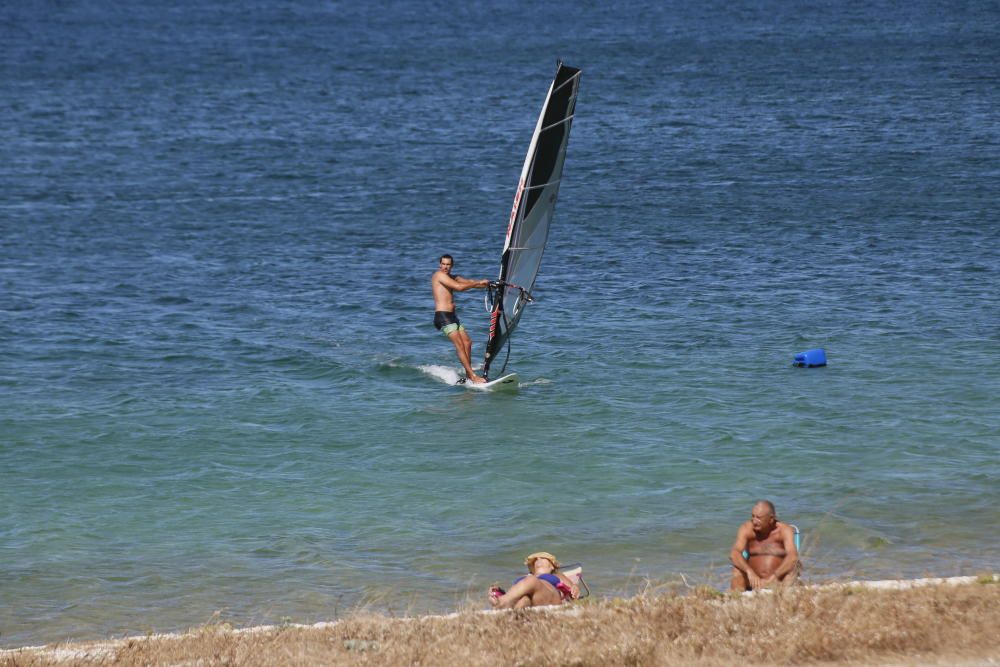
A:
762	517
764	506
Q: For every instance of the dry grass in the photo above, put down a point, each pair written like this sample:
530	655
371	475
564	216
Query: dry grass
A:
932	625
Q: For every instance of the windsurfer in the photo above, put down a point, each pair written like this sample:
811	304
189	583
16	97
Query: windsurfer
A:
445	285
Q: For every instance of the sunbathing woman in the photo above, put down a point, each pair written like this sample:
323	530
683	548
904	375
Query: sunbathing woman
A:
545	585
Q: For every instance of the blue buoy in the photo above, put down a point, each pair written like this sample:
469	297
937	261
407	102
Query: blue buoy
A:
810	358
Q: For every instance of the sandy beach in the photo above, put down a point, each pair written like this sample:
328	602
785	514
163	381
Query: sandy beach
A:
934	621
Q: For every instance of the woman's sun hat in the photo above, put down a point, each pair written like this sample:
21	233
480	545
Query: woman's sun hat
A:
530	560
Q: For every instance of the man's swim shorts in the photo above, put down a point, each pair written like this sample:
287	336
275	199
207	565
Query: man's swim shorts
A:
447	322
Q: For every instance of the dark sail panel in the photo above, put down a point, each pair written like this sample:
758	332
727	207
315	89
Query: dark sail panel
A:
534	205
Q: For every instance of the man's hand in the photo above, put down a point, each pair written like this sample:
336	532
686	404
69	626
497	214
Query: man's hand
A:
756	582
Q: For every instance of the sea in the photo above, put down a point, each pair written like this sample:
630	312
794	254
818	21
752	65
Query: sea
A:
222	397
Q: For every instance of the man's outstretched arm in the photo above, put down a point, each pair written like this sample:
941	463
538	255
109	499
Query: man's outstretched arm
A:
460	284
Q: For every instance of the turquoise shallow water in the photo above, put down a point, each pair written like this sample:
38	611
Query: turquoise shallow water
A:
218	230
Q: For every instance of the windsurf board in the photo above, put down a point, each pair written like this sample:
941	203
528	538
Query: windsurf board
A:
506	383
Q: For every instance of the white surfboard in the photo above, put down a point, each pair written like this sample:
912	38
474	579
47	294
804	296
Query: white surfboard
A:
506	383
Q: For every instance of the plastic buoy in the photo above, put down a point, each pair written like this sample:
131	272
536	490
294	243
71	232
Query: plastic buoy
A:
810	358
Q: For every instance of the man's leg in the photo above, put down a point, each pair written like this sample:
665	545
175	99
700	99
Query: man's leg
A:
739	581
793	576
464	357
468	343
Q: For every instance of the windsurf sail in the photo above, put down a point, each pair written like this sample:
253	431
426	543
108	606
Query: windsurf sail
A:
531	215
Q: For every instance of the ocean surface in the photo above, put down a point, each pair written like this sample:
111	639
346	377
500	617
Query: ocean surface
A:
220	386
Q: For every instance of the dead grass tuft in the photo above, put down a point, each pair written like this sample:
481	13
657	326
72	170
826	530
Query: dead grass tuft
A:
794	626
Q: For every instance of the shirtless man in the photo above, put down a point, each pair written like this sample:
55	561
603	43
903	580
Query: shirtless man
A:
771	547
444	285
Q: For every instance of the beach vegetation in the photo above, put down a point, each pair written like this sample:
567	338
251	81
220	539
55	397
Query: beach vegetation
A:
945	624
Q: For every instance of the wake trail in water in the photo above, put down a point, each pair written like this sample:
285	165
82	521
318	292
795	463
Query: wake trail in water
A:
445	374
536	381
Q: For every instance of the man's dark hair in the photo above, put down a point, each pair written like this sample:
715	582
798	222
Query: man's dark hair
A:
444	257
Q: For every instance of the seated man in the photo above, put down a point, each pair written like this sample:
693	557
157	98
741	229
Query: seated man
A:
770	548
545	585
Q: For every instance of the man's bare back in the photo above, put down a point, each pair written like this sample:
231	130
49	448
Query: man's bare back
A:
444	286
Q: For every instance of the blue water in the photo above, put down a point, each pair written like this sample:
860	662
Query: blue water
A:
218	371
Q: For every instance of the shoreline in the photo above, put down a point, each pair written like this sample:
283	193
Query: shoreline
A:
110	649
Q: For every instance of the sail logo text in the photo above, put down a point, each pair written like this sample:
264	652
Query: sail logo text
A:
493	323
